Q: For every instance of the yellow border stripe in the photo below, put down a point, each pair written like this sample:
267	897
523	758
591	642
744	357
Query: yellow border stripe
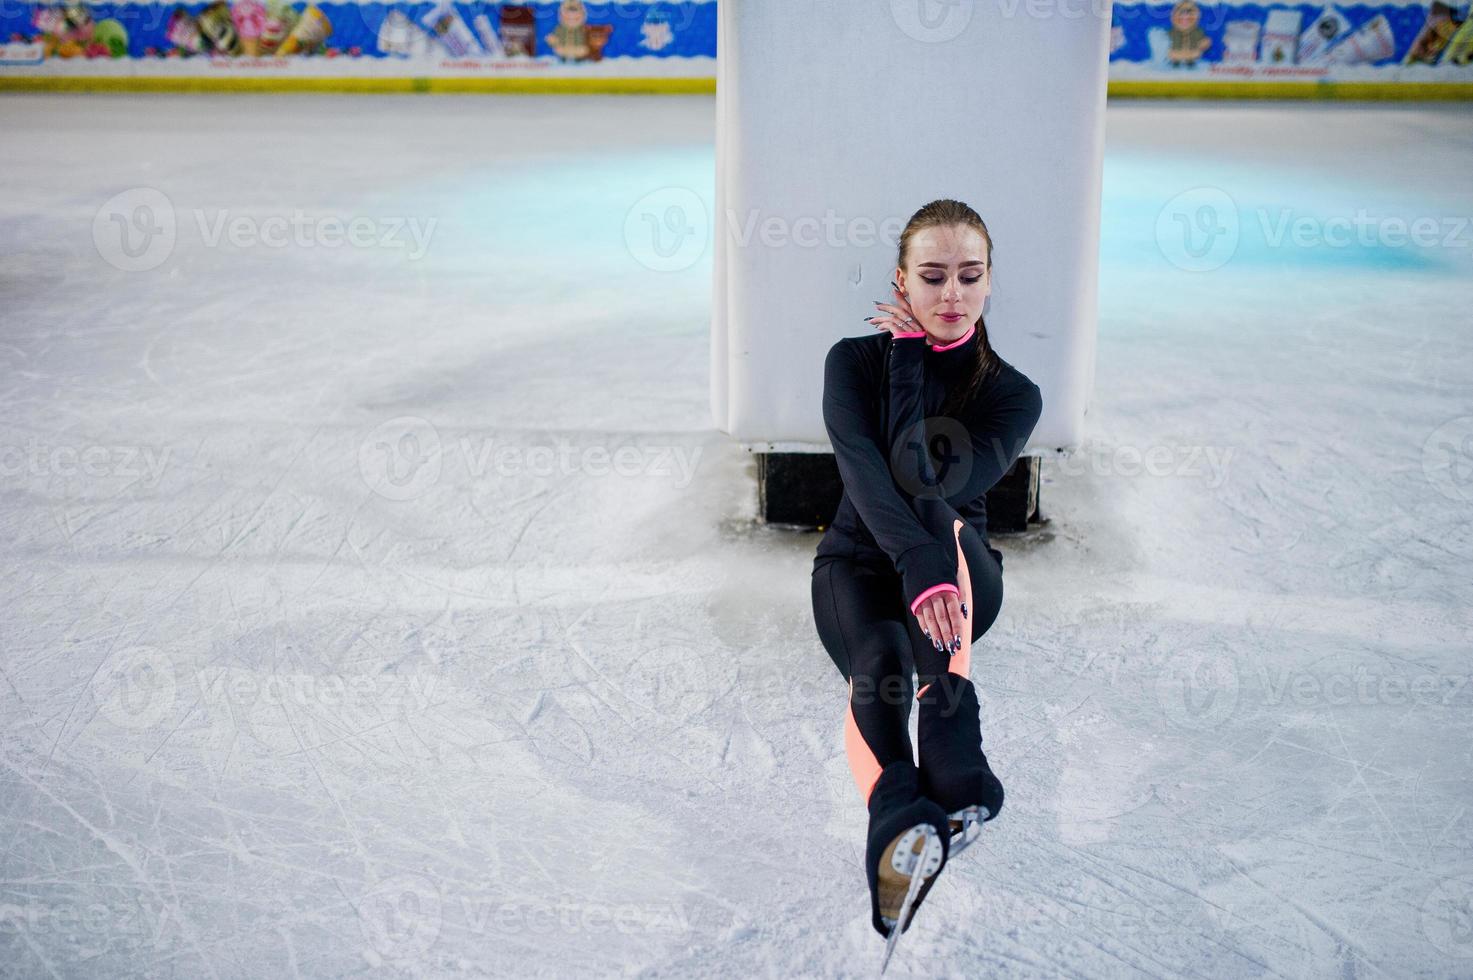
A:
1152	89
1123	88
512	85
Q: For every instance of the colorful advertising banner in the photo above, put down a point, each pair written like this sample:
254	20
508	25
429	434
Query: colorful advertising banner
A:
1309	42
275	38
1184	41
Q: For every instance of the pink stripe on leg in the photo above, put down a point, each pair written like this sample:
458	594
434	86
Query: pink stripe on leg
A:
961	662
862	761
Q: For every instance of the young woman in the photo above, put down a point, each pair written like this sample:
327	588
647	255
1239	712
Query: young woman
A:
924	418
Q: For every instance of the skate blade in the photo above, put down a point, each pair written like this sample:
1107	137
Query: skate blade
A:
966	827
907	863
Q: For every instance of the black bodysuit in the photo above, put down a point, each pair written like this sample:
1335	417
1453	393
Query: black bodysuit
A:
908	474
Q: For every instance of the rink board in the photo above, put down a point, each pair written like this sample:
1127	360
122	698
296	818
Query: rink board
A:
1230	48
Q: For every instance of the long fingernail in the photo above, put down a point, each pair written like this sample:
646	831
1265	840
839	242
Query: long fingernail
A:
957	643
938	645
964	610
928	634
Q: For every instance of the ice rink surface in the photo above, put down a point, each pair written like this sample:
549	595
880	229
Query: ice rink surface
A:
393	609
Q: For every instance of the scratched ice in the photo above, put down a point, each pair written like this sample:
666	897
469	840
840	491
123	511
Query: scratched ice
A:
390	607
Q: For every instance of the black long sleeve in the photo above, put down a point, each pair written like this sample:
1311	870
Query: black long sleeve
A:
910	458
861	448
995	431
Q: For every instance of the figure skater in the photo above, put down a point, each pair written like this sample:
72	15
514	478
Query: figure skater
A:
924	418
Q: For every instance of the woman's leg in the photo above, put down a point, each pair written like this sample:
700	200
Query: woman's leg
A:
859	613
953	768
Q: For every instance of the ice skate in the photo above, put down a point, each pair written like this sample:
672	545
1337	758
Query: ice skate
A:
907	848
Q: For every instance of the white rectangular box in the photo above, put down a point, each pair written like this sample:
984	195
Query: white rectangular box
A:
835	122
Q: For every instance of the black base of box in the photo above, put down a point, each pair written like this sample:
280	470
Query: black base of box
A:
803	490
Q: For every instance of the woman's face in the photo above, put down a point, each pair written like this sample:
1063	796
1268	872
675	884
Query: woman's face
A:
947	281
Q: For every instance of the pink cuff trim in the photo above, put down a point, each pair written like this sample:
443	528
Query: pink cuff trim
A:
958	341
913	333
943	587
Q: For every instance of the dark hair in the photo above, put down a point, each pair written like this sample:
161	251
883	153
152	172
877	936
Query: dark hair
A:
940	213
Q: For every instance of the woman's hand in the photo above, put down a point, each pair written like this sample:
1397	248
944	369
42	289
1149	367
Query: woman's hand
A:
943	618
898	317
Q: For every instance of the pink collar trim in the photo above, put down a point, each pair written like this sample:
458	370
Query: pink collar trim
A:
957	342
